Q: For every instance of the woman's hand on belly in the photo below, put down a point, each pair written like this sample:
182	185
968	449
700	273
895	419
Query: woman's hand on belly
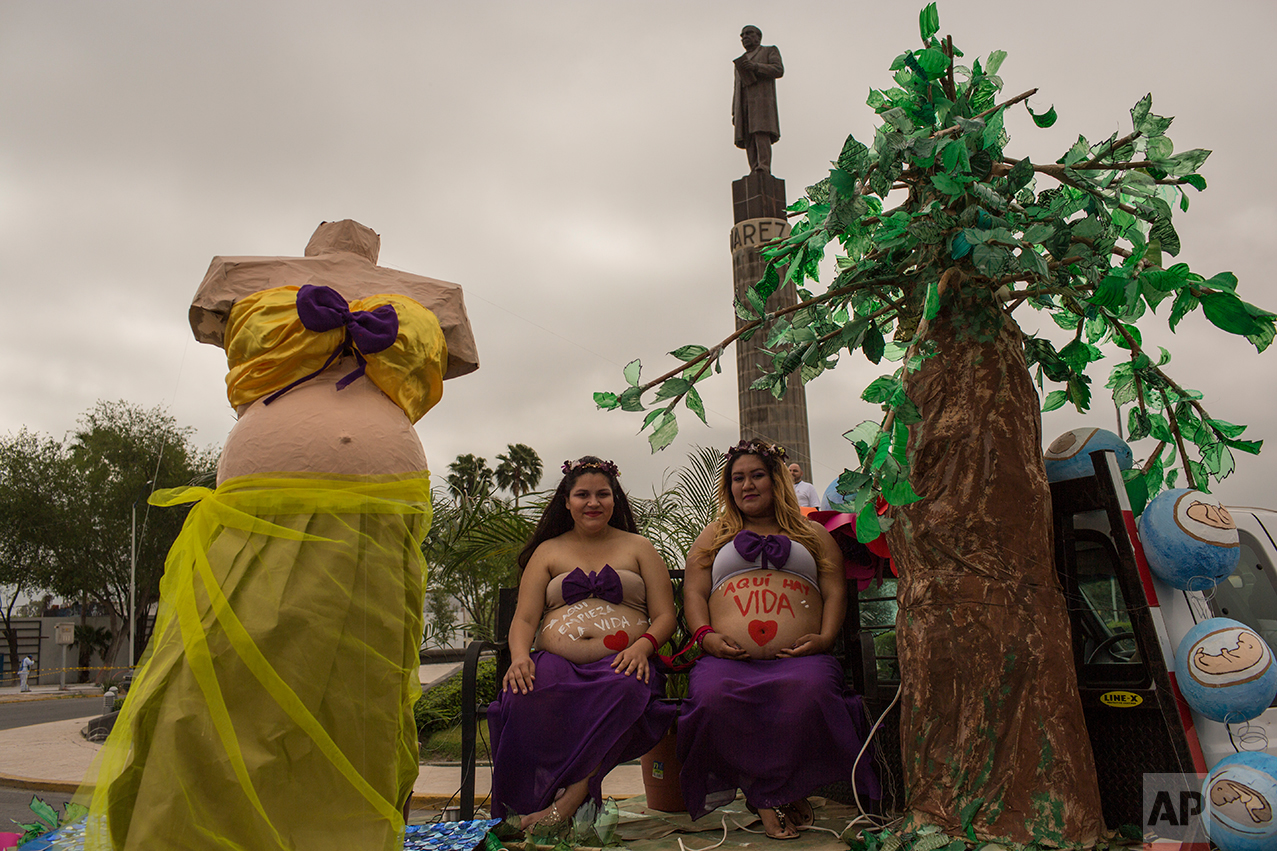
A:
768	613
590	630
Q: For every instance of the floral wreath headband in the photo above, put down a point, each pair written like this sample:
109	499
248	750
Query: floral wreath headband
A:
605	467
756	447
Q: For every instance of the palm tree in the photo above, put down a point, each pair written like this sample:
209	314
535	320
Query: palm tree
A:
472	549
469	478
673	518
519	471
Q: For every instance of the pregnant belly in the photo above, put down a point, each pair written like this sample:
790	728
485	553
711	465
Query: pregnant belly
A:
317	428
590	629
764	611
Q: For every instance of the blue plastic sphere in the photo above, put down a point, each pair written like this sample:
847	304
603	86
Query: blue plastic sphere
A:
1239	797
831	498
1225	670
1069	455
1190	539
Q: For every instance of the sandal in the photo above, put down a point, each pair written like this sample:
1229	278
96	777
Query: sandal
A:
782	833
800	813
553	822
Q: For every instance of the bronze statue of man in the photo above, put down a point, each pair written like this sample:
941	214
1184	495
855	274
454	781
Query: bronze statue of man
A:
754	99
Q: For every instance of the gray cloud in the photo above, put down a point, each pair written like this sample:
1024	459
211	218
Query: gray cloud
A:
567	162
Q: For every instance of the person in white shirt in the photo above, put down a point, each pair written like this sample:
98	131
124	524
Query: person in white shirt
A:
807	496
24	672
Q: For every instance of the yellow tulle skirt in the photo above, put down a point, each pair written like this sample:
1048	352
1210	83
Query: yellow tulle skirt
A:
273	706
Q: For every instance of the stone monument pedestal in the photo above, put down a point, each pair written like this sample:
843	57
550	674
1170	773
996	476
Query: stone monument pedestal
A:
758	201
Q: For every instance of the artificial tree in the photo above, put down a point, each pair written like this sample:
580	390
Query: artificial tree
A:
944	237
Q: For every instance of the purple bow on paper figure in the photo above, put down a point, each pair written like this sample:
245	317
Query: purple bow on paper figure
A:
605	585
367	331
762	548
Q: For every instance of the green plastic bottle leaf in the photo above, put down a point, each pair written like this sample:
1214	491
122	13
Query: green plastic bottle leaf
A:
934	62
44	812
1055	399
1222	281
947	184
873	345
1137	493
1045	119
1227	312
606	401
932	304
897	491
1138	425
928	22
881	390
1019	175
672	387
1186	163
694	403
666	431
867	525
686	353
631	400
632	370
865	433
1111	292
996	59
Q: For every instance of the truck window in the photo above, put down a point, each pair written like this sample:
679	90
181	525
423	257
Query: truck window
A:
1249	594
1110	652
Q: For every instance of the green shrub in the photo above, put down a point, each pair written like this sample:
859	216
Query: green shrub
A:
440	707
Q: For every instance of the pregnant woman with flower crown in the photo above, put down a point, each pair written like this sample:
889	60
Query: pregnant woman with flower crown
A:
596	600
768	710
273	706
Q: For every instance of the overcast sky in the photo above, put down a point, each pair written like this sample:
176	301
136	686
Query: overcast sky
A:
568	163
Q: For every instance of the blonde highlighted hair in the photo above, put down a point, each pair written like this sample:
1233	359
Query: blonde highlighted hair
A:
793	523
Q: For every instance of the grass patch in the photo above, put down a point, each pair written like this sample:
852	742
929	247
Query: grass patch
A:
445	745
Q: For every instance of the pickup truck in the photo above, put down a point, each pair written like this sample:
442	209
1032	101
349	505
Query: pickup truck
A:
1127	625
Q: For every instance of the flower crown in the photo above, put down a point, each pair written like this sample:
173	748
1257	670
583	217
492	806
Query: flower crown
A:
605	467
756	446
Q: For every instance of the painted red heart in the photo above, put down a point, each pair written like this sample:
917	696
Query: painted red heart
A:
619	641
762	631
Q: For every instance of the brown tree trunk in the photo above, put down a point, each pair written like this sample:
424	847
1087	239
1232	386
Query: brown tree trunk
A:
990	712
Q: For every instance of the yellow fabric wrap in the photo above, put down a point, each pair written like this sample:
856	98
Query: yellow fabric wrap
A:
273	707
268	347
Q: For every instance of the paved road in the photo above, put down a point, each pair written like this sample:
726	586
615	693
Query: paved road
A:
26	713
15	804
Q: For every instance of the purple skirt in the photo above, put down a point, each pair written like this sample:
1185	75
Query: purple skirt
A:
576	719
775	729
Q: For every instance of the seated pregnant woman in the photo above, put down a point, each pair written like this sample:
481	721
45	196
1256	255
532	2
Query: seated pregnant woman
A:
768	711
597	600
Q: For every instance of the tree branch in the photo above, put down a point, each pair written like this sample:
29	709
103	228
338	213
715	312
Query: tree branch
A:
756	323
955	128
1179	441
1117	143
1059	172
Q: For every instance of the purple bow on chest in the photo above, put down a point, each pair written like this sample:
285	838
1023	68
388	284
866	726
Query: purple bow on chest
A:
367	331
764	549
605	585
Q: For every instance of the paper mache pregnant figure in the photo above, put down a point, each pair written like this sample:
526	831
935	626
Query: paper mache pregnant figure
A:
273	707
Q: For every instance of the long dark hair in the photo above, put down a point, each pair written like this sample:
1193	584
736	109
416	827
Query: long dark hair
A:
556	519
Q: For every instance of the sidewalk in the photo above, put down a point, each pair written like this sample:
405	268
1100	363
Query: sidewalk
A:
54	757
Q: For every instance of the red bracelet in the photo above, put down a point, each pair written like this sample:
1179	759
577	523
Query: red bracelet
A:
699	636
649	637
